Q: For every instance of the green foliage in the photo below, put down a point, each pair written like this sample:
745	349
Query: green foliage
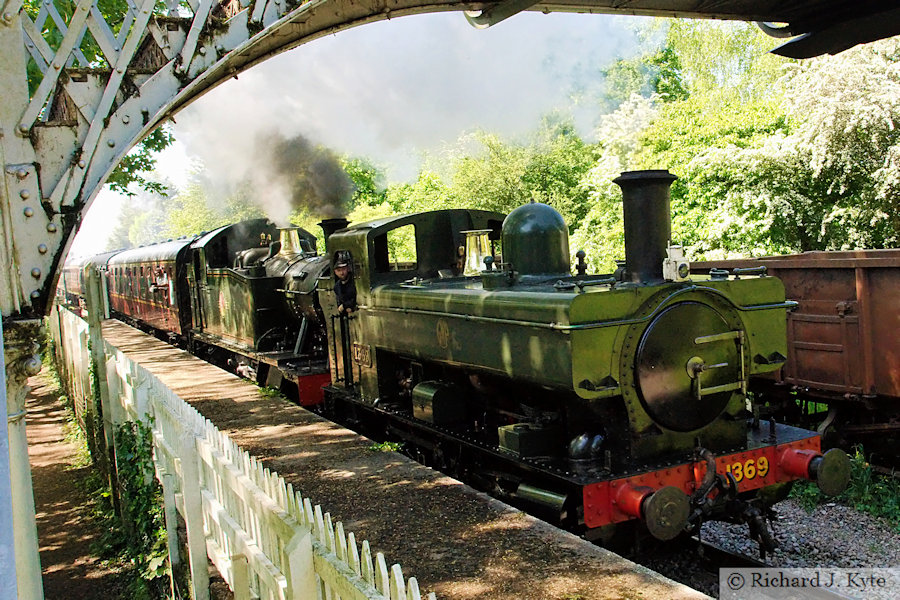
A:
139	161
120	237
668	78
773	156
367	179
142	540
721	58
776	156
601	233
656	73
427	192
548	169
269	392
137	541
93	419
869	492
187	212
826	179
725	98
190	212
386	447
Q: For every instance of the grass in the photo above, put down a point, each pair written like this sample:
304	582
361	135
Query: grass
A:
868	491
269	392
386	447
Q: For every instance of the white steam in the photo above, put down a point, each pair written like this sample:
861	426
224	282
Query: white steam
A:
393	90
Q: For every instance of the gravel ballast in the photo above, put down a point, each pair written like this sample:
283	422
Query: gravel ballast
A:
831	535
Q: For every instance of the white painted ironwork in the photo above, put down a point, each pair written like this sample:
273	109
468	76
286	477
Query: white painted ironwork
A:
266	540
7	532
82	88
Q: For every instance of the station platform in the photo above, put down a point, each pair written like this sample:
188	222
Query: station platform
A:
458	542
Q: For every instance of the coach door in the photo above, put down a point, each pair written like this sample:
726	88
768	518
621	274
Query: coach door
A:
198	287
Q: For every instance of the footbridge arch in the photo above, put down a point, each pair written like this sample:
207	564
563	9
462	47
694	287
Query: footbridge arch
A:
80	87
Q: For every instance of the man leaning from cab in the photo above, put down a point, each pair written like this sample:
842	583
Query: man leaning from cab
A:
344	286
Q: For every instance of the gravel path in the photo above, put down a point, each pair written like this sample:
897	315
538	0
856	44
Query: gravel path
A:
832	535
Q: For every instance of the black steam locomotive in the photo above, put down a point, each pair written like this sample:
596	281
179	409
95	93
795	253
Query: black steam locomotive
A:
598	400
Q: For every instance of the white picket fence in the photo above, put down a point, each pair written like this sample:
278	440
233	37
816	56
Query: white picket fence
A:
265	539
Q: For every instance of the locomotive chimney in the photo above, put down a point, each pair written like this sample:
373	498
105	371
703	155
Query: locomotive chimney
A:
329	226
648	226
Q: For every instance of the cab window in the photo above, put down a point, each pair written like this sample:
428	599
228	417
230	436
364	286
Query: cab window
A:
395	250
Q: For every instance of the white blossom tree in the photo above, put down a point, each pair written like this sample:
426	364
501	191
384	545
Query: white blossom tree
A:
831	179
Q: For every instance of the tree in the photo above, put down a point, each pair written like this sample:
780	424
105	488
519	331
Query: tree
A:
427	192
367	179
830	181
132	169
720	92
191	211
656	73
601	232
548	168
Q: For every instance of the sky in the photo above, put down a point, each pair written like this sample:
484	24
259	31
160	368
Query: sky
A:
393	92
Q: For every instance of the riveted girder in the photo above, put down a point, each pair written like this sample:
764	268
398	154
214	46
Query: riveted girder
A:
79	88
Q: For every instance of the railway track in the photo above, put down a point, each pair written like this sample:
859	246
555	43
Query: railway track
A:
712	558
715	557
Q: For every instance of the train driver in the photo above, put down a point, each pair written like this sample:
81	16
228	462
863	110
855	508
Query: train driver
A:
344	287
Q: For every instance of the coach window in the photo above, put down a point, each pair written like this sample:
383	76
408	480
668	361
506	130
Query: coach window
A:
171	286
395	250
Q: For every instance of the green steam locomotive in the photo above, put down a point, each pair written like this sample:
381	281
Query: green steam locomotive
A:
607	403
595	399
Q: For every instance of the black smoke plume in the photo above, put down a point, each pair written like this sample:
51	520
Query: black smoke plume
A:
311	175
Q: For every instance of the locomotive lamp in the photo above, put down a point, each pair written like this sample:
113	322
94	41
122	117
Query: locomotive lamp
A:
478	247
675	267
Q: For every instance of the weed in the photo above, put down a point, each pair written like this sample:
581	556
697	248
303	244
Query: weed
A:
137	541
269	392
142	508
868	492
386	447
74	435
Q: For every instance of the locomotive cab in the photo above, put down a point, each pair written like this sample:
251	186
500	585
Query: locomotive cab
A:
395	251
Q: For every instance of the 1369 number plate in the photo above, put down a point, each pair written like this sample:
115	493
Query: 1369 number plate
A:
362	354
749	469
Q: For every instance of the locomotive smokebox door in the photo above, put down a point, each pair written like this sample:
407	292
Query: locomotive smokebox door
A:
688	364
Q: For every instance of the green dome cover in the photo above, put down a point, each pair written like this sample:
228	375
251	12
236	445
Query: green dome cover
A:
536	241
